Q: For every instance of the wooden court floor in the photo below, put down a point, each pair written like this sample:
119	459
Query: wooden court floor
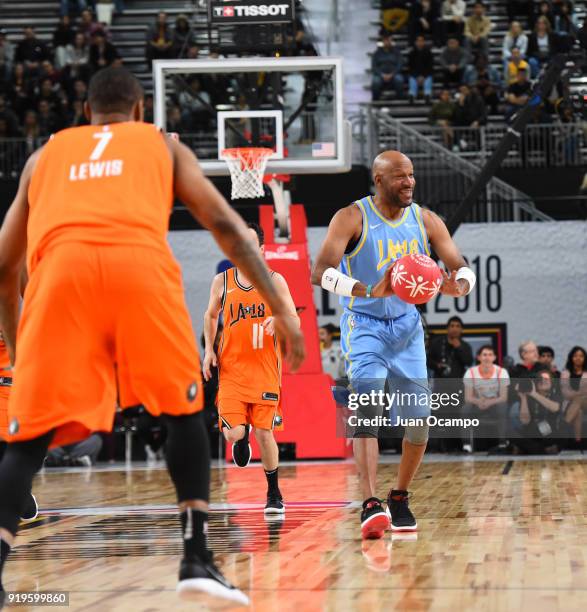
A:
494	535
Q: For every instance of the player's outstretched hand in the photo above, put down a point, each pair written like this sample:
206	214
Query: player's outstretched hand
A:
383	287
452	286
209	361
269	326
290	339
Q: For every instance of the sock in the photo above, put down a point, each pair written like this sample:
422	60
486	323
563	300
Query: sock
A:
4	550
272	481
194	525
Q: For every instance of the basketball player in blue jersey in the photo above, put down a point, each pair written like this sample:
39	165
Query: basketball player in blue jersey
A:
382	336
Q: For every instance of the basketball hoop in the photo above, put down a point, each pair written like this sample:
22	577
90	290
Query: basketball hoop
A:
247	167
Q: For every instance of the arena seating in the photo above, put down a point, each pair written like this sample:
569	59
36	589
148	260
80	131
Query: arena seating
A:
417	113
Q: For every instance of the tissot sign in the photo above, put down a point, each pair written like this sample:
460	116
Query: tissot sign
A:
227	12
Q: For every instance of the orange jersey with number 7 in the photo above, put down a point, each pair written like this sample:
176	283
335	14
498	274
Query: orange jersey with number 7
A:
249	359
96	184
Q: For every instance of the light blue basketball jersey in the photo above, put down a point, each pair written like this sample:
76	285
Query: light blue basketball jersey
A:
381	243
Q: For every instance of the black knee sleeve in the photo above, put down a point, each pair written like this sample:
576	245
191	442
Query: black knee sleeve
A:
188	456
22	460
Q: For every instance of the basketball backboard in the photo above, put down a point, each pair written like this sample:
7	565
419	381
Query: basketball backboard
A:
293	105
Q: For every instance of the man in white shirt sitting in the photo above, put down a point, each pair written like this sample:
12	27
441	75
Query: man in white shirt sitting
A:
486	387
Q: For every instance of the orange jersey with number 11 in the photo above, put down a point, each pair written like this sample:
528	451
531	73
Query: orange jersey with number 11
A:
249	359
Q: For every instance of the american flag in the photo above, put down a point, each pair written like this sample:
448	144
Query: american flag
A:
323	149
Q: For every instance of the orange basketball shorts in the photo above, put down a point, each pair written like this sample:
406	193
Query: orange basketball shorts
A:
233	412
94	316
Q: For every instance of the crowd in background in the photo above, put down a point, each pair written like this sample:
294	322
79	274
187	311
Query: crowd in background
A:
471	87
43	85
528	407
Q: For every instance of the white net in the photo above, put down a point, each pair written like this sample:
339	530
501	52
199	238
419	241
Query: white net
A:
247	167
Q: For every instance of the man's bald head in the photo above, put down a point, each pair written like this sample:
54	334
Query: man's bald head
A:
386	161
393	175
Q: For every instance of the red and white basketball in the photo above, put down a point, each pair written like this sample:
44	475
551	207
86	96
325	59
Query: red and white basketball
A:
415	278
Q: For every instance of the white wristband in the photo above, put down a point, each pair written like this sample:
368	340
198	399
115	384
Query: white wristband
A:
468	275
337	282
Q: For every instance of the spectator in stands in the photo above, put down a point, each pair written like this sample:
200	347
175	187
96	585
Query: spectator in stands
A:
441	115
183	37
31	51
541	45
102	53
79	91
514	65
330	352
544	10
517	94
6	58
47	91
386	66
80	454
77	115
420	70
453	18
574	388
546	358
215	83
8	115
74	59
566	26
529	365
424	20
64	33
48	71
486	391
520	7
175	122
450	355
485	78
20	89
159	39
195	105
394	14
536	416
453	61
31	127
470	112
477	28
48	120
514	38
88	25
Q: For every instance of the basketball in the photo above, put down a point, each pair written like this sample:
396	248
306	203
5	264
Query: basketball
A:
415	278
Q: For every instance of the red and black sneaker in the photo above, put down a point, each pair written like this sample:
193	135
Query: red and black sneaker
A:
399	511
374	520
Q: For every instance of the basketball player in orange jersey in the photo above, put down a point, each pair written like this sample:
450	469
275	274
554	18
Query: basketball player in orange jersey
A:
381	336
92	211
249	389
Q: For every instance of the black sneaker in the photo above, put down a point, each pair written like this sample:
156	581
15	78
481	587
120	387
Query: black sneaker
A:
398	510
274	504
198	577
241	450
374	520
31	510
